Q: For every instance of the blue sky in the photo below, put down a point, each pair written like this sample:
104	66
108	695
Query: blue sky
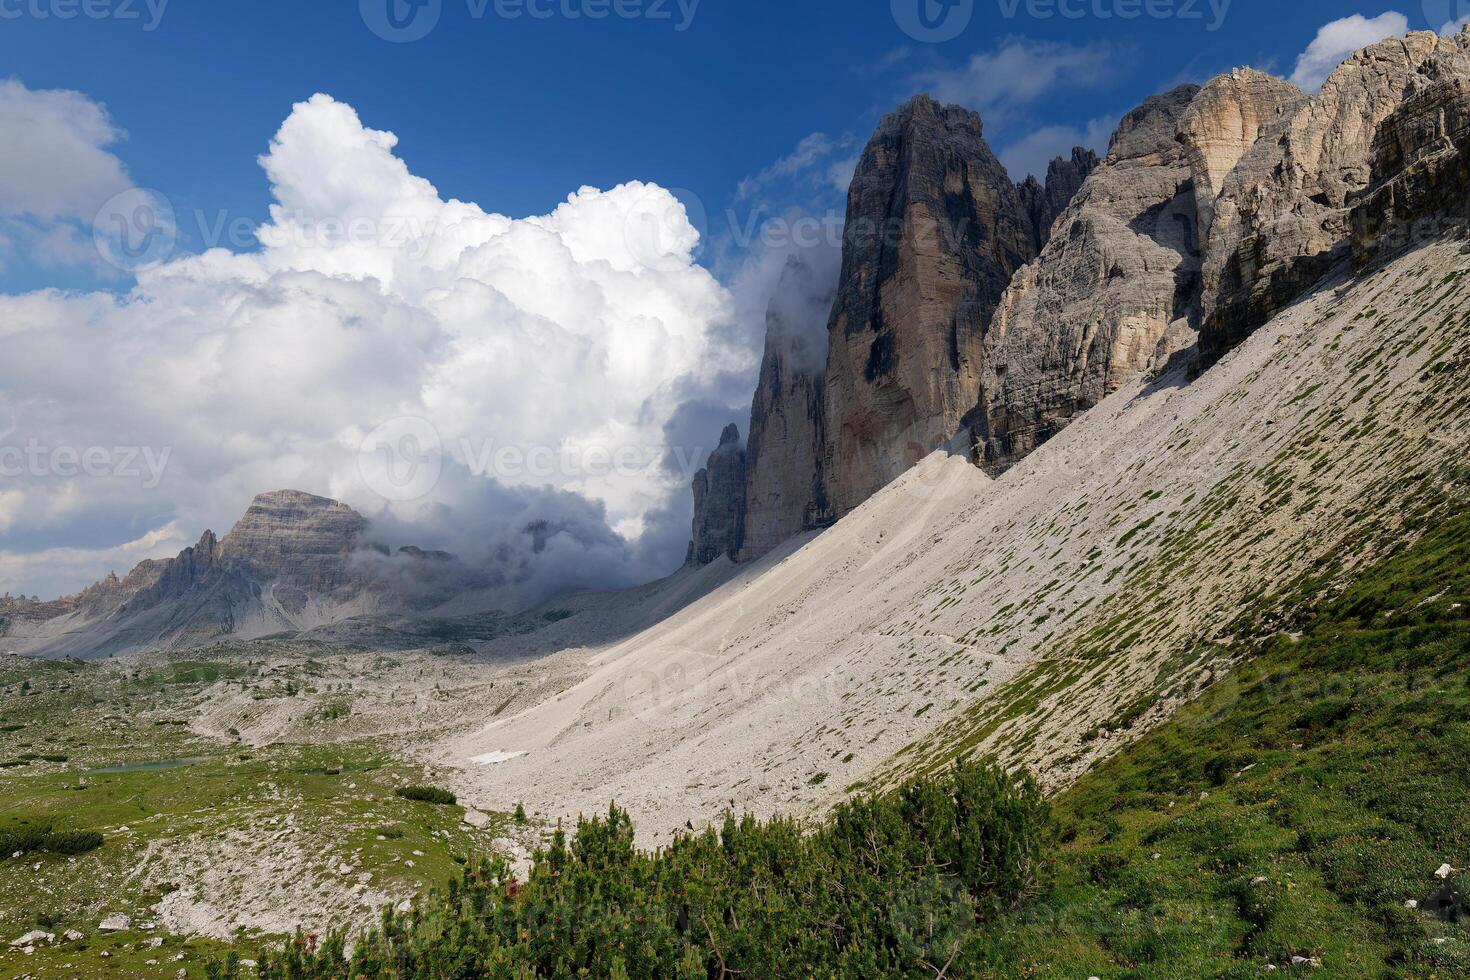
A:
519	311
517	113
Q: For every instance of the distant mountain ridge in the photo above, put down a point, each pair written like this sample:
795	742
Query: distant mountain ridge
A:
292	561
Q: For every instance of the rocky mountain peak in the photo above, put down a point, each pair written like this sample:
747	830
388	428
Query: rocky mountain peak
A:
1148	130
1420	162
935	230
1282	216
784	485
1089	315
719	502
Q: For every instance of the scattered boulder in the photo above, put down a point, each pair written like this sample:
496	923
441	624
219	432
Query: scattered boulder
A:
116	923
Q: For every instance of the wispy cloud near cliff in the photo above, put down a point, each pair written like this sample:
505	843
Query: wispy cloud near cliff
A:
1000	83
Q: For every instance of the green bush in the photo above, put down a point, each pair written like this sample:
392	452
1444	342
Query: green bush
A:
22	840
893	885
73	842
27	839
427	794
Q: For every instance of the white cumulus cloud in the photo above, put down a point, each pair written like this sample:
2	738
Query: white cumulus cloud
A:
56	170
548	355
1339	39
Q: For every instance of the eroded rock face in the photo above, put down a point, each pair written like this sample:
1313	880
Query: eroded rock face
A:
719	501
298	541
784	486
1223	122
1421	163
1046	203
935	230
1282	216
1092	312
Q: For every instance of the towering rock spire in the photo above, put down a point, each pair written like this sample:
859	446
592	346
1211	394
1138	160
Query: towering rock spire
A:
784	491
719	502
1045	203
935	230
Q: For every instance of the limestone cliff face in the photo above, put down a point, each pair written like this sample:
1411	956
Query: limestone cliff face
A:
1221	125
298	541
1045	203
719	502
1282	216
1421	163
1090	314
935	230
784	486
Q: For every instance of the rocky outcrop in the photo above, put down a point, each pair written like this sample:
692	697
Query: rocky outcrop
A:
935	230
719	502
175	577
1045	203
300	542
1421	164
1221	125
1282	216
1093	312
784	485
288	563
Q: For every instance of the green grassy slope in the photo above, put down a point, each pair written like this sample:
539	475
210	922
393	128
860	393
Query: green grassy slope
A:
1292	811
298	812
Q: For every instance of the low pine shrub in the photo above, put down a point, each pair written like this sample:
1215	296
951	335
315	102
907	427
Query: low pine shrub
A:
427	794
73	842
27	839
894	885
